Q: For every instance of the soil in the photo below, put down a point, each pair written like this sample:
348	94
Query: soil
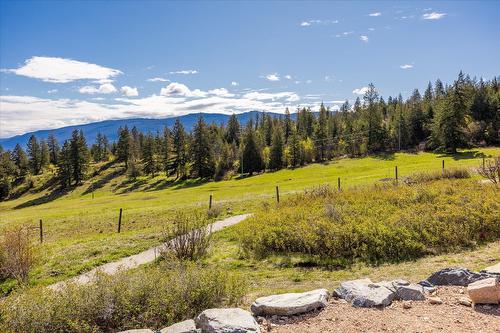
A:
421	316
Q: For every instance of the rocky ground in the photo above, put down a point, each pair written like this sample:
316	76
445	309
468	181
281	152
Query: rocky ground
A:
400	316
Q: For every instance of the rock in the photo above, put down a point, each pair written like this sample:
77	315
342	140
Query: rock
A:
232	320
485	291
495	269
375	296
407	304
186	326
290	304
435	300
141	330
465	301
349	289
453	277
411	292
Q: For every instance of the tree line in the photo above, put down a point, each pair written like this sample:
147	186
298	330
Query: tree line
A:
446	117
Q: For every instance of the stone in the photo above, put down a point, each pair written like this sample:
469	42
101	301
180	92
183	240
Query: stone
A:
495	269
291	303
453	277
407	304
186	326
349	289
140	330
232	320
485	291
465	301
435	300
411	292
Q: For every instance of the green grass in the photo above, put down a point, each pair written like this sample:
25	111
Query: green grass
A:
80	226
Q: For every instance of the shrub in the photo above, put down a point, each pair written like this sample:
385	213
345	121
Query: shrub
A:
424	177
215	211
491	170
155	298
17	255
188	236
376	224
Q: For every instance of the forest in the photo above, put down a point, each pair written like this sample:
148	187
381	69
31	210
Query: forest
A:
444	118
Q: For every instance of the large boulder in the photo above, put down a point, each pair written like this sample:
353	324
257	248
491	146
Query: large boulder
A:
495	269
410	292
232	320
454	277
486	291
291	303
186	326
364	293
141	330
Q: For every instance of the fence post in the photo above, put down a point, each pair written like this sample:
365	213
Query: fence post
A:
277	194
483	163
120	221
338	183
396	170
210	202
41	231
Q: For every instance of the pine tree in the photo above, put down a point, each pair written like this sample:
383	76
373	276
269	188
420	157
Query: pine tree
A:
287	125
320	134
123	146
53	148
149	155
179	149
166	147
294	145
276	156
65	166
45	154
201	152
20	159
79	156
35	155
372	119
252	158
233	130
7	170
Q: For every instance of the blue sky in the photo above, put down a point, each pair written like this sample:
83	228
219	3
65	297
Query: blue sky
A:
72	62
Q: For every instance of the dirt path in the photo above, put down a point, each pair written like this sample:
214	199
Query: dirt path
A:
140	258
339	316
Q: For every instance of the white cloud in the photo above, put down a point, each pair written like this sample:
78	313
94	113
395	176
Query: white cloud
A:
272	77
52	91
234	84
176	88
185	71
375	14
364	38
288	77
106	88
260	96
433	16
129	91
305	24
323	22
158	79
360	91
61	70
371	29
328	78
406	66
220	92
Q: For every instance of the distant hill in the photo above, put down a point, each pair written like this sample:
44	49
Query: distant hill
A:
110	127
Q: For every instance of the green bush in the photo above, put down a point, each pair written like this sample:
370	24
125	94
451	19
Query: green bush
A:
154	298
377	224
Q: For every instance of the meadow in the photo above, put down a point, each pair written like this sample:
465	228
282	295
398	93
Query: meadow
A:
80	227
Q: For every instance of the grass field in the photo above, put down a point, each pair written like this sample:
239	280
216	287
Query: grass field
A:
80	226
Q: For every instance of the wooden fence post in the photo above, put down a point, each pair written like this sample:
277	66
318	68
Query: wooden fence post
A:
120	221
277	194
210	202
338	183
41	231
442	167
396	170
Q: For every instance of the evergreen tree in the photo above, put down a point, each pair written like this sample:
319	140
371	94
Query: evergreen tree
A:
149	155
65	166
277	147
7	170
166	147
34	155
179	149
287	125
233	130
321	134
201	151
79	156
252	158
20	159
45	154
294	145
53	148
123	146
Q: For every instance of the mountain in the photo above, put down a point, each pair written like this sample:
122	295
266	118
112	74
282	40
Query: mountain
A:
110	127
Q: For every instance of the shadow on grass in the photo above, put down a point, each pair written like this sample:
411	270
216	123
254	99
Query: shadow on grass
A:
465	155
55	194
104	180
384	156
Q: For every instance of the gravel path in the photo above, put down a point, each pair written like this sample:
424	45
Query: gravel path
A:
140	258
339	316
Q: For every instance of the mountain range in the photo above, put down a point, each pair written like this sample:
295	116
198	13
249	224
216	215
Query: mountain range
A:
110	127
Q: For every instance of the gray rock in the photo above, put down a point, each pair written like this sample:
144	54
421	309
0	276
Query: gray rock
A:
186	326
495	270
411	292
454	277
232	320
291	303
141	330
364	293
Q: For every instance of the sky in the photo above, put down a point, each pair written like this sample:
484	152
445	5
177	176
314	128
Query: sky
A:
68	63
